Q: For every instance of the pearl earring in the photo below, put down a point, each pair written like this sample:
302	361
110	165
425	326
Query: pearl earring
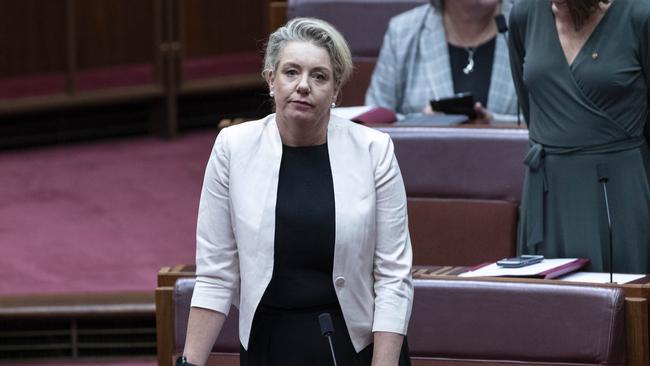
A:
333	105
271	94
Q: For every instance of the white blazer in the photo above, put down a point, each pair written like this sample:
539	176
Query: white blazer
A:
236	226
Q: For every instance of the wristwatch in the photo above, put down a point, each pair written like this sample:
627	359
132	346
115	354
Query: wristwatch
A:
182	361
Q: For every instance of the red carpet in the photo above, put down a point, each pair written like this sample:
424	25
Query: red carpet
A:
101	216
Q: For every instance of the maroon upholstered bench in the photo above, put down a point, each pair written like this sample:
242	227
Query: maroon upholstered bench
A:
461	322
32	85
468	322
226	348
463	187
362	22
241	63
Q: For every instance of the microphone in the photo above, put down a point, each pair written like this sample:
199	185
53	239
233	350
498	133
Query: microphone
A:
601	170
502	27
327	329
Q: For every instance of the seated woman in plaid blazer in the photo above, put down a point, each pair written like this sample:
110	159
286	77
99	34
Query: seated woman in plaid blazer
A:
443	48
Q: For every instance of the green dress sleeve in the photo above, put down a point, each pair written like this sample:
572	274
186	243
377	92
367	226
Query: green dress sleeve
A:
643	19
517	54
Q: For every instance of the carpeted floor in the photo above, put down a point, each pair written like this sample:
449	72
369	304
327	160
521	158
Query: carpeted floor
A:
97	217
144	362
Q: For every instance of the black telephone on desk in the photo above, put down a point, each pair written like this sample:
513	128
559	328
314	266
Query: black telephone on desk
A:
461	103
520	261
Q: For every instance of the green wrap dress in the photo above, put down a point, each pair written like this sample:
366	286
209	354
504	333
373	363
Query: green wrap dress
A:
586	122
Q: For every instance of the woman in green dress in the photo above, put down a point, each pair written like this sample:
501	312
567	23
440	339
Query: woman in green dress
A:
581	70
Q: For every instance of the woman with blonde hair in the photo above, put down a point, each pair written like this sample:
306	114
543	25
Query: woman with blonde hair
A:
303	213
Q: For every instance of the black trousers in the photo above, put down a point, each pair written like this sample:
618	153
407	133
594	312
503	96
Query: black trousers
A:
293	338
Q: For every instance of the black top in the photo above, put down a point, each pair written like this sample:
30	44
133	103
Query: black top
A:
478	81
304	231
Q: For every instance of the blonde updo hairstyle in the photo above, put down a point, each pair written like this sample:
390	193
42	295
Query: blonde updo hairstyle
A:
317	32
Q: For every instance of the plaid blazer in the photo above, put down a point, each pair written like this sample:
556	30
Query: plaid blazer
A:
413	66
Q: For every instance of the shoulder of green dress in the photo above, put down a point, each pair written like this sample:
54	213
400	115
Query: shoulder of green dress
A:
639	10
520	10
523	7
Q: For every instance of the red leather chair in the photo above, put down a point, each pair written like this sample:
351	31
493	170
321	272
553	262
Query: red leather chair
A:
463	187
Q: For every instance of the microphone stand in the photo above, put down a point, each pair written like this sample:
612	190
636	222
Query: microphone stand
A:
327	329
601	169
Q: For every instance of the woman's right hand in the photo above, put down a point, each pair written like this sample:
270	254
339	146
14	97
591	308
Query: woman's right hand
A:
428	110
483	115
203	327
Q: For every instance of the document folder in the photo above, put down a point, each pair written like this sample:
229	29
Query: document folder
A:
547	269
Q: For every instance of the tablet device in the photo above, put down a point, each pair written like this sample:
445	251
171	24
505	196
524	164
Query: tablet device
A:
520	261
434	120
461	103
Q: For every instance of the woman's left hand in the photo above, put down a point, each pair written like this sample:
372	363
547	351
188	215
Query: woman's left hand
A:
483	116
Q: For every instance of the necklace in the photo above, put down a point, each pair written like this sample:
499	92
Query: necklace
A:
470	60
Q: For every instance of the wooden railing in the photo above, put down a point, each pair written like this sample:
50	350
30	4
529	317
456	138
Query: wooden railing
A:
63	54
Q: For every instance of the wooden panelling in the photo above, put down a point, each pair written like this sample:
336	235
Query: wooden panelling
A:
165	328
76	305
114	32
32	37
66	54
277	15
209	27
636	315
81	100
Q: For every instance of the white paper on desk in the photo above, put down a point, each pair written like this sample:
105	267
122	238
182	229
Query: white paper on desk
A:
494	270
599	277
350	112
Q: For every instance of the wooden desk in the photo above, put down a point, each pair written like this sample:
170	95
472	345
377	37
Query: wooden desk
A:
470	124
637	301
